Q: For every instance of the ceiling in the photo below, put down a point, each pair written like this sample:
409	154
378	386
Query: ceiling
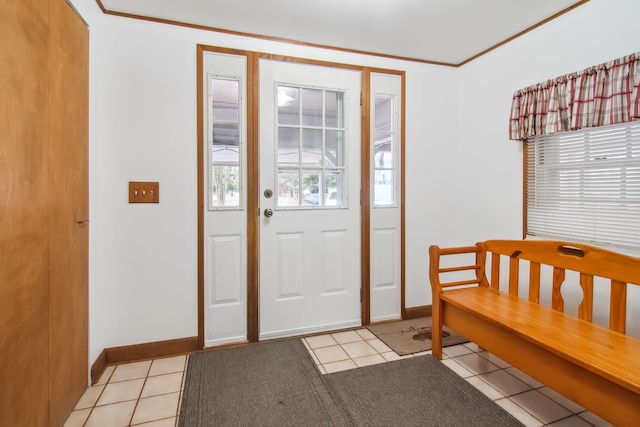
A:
441	31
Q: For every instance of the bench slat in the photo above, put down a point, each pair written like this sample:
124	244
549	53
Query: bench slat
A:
607	353
458	250
461	283
514	275
461	268
557	302
495	271
585	309
618	306
534	282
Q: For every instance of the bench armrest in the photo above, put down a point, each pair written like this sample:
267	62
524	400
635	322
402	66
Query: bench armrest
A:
437	286
435	269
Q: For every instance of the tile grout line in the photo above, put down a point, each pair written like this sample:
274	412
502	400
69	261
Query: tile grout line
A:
182	383
537	388
140	394
93	406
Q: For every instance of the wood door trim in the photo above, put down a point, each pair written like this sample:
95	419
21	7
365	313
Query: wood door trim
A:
253	199
365	197
201	188
253	190
403	205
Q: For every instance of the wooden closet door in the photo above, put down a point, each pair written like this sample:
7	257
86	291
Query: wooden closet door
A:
68	209
24	314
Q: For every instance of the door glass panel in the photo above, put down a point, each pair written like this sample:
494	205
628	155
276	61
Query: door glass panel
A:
226	186
312	146
288	105
334	109
334	147
333	188
311	107
384	147
224	143
288	145
225	153
288	187
384	154
311	180
311	153
383	187
225	100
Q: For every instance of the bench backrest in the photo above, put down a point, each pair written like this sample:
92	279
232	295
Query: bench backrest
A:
589	261
557	260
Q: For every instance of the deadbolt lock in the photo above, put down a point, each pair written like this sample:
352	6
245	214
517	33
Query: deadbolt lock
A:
268	193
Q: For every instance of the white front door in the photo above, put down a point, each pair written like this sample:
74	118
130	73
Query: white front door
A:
309	198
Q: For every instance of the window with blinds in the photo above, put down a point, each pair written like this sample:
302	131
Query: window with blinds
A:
585	186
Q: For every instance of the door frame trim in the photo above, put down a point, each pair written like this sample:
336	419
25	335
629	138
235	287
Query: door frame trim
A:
253	174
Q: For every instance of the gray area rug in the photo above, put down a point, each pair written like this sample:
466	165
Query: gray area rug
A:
418	391
273	383
276	383
412	336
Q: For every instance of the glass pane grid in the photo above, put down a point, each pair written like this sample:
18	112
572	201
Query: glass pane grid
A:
311	147
225	145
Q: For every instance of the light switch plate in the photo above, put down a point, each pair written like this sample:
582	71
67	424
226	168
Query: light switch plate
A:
144	192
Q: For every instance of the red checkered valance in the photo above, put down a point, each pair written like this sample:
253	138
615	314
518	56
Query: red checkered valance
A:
605	94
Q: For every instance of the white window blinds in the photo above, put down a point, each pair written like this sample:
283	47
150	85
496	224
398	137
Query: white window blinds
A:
585	186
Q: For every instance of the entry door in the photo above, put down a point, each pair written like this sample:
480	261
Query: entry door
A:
309	199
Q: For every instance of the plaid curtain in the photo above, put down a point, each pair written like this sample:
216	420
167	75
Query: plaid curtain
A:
602	95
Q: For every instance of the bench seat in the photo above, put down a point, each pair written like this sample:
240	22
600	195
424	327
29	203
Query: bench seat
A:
607	353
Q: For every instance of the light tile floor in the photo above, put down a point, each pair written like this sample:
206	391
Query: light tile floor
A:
148	394
145	394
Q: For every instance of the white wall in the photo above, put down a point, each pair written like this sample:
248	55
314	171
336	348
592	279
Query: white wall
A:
143	264
431	174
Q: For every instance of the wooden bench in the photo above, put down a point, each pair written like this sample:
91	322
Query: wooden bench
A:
594	366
